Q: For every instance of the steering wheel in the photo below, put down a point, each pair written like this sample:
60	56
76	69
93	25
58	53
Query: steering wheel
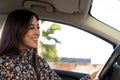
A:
112	60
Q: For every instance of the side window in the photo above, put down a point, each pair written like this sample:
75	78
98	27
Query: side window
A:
68	48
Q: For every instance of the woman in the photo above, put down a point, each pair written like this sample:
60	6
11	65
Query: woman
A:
18	49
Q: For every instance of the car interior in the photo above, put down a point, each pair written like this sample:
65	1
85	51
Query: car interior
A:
72	12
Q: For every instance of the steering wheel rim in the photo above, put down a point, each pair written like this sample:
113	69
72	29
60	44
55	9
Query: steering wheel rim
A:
112	60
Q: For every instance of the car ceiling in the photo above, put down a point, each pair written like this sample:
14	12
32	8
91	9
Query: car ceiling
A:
73	12
49	8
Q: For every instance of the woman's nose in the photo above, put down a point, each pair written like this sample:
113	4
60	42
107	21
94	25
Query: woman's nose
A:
37	32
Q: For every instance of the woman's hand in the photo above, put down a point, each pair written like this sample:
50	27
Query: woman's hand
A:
93	76
96	79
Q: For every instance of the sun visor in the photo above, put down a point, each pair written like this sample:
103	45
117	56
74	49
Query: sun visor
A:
67	6
29	4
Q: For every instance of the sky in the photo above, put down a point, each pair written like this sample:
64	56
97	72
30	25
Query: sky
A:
109	12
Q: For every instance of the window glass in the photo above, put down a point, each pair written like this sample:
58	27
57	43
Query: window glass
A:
76	49
107	11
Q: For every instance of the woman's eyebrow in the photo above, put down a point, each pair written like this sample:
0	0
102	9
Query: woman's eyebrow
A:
33	25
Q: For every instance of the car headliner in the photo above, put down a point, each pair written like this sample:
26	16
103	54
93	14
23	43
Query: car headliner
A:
73	12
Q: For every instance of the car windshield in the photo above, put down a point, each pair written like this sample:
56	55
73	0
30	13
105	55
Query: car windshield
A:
107	11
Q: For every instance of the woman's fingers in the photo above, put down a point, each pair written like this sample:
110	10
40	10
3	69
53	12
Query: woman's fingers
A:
96	79
93	75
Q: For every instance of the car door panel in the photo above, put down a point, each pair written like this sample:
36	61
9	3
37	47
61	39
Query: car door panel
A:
69	75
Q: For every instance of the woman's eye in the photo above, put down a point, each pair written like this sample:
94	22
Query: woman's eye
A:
31	27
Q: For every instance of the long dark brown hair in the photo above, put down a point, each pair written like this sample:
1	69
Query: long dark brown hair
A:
16	26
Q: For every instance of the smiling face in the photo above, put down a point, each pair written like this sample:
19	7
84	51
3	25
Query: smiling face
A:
30	39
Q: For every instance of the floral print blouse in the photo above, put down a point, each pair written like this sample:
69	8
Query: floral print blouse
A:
20	67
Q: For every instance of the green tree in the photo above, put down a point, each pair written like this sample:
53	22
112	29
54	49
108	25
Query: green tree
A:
49	51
